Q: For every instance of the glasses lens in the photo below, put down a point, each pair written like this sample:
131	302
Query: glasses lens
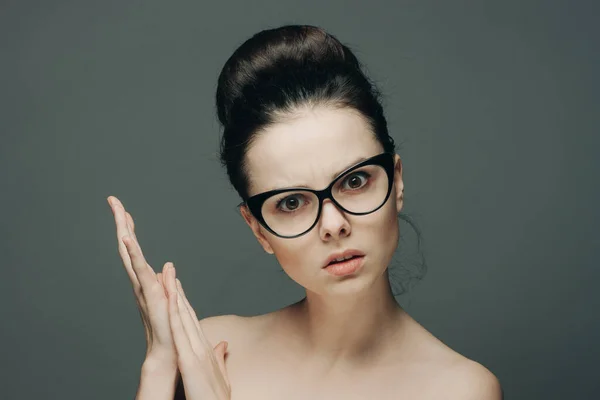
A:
362	190
359	191
290	213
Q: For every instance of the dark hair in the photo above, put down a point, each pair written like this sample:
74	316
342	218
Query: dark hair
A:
274	74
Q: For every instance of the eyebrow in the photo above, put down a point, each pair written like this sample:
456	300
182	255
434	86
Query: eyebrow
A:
335	175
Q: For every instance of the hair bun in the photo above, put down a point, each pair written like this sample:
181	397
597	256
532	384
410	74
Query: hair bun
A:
273	54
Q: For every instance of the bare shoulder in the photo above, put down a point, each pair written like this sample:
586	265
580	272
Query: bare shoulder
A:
454	375
234	329
220	327
467	379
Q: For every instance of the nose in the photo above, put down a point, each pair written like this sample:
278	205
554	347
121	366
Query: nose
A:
333	223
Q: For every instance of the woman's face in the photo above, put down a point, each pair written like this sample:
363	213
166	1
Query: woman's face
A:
311	148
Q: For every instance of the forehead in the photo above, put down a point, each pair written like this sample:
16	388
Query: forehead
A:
309	149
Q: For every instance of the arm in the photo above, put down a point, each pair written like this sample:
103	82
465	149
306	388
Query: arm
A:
157	382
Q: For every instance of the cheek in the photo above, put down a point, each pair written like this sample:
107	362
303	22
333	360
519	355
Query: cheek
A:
383	233
293	254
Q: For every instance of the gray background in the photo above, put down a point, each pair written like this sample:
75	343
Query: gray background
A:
495	104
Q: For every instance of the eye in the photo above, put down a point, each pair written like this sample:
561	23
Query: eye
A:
357	180
291	203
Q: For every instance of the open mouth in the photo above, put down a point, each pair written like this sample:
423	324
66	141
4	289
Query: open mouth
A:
339	262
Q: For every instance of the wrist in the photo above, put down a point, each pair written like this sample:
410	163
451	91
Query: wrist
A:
157	366
158	380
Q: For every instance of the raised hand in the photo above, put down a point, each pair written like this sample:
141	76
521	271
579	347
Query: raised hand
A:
149	290
202	368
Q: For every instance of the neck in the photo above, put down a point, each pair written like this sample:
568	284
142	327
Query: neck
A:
348	328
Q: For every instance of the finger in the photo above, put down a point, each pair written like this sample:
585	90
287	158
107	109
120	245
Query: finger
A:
199	344
187	304
130	222
220	351
131	228
200	333
163	277
166	266
145	275
180	338
130	225
122	230
160	277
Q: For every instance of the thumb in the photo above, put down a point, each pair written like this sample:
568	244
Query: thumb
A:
220	351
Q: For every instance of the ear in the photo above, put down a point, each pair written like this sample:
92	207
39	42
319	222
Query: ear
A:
255	226
398	182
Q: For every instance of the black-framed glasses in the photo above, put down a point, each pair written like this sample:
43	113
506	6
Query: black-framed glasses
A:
360	189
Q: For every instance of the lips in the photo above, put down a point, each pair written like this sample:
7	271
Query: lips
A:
347	253
341	261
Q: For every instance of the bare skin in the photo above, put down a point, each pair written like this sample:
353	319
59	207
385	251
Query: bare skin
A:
262	363
348	338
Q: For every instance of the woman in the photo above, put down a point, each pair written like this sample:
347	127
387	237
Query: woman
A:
306	146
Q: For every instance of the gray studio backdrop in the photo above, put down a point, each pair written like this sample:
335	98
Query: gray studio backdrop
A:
494	103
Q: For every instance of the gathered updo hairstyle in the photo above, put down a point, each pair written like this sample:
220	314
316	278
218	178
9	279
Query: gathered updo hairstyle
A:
274	74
